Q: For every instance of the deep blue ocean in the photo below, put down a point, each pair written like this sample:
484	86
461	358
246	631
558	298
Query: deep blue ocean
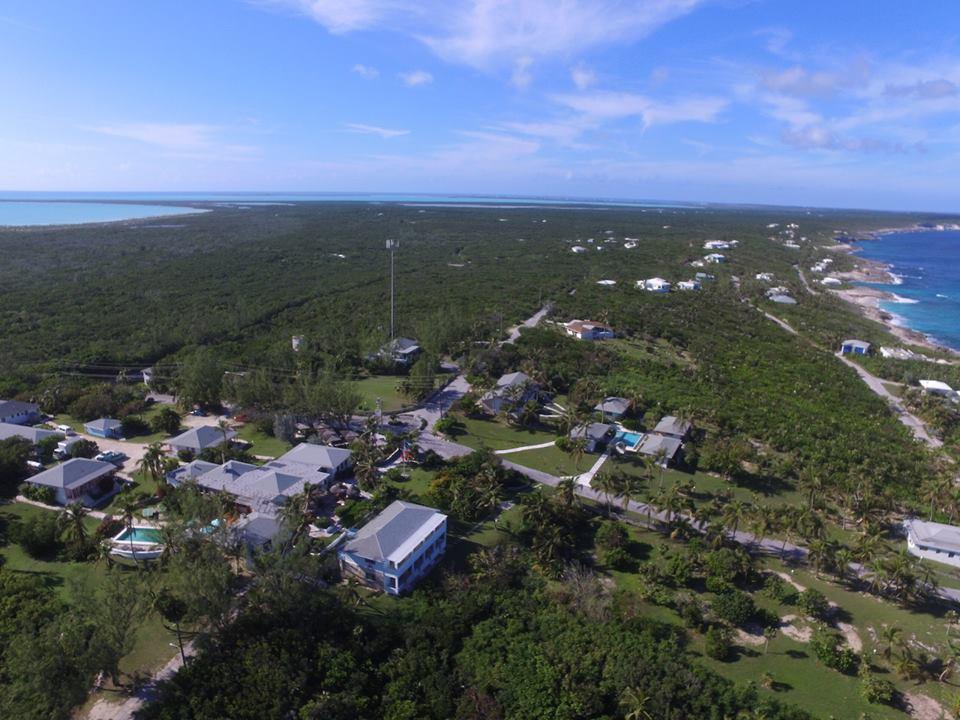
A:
927	270
47	208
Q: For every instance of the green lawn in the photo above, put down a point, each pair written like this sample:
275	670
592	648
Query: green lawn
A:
551	460
801	679
894	389
151	649
480	432
263	444
142	483
417	484
383	387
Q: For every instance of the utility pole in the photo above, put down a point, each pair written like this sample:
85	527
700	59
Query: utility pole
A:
392	246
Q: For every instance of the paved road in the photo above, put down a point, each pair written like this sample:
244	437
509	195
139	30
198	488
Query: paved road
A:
532	321
803	279
912	422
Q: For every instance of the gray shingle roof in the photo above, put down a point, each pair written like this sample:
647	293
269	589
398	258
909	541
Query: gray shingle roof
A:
597	432
73	473
935	535
614	405
225	477
653	444
672	425
9	408
34	435
200	438
319	456
387	532
513	379
104	424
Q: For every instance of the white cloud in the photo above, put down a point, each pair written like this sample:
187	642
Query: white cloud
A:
492	34
924	89
616	105
385	133
342	16
172	136
366	72
583	77
522	77
416	78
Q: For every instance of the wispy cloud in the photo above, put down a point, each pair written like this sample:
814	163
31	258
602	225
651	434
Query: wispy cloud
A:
173	136
605	105
416	78
385	133
924	89
366	72
492	34
582	76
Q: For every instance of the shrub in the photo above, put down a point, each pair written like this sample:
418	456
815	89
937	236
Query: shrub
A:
718	643
878	691
612	535
108	527
264	424
133	425
735	607
718	585
618	559
766	618
39	535
679	570
564	443
691	611
84	449
814	603
40	493
166	421
776	588
826	646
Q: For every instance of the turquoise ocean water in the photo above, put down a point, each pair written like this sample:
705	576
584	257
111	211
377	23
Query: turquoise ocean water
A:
926	280
43	208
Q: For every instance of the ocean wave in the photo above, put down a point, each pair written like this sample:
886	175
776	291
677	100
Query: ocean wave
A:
900	300
941	295
895	279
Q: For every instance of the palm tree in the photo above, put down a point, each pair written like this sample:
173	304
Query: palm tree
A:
769	633
128	512
578	447
224	426
889	638
604	484
733	514
72	526
634	703
152	462
567	491
842	559
821	554
761	523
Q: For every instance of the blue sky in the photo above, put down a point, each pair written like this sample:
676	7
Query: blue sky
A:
848	103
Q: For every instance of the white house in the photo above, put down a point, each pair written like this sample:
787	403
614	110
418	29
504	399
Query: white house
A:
715	258
18	413
854	347
397	548
656	285
578	249
688	285
936	387
697	263
831	281
765	277
77	480
933	541
717	245
589	330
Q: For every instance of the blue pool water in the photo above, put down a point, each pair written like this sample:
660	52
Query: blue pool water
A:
140	535
926	266
630	439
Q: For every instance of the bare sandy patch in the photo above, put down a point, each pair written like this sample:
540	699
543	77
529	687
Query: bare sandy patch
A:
799	634
789	579
922	707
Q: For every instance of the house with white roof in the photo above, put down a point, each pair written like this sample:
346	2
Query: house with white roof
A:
854	347
933	541
936	387
717	245
688	285
765	277
831	282
397	548
78	480
512	390
578	249
588	330
715	258
655	285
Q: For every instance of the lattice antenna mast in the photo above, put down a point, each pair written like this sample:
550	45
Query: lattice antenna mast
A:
392	246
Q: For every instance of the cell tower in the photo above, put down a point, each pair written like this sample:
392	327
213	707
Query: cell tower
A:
392	246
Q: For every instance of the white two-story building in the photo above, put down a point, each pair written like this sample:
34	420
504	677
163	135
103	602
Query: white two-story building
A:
397	548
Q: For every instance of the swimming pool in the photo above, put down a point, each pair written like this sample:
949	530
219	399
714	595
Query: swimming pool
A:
141	535
630	439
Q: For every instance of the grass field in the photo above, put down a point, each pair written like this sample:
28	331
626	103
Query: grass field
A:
551	460
263	444
479	432
383	387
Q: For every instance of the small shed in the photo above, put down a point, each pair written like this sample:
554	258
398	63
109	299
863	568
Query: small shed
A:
854	347
104	428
